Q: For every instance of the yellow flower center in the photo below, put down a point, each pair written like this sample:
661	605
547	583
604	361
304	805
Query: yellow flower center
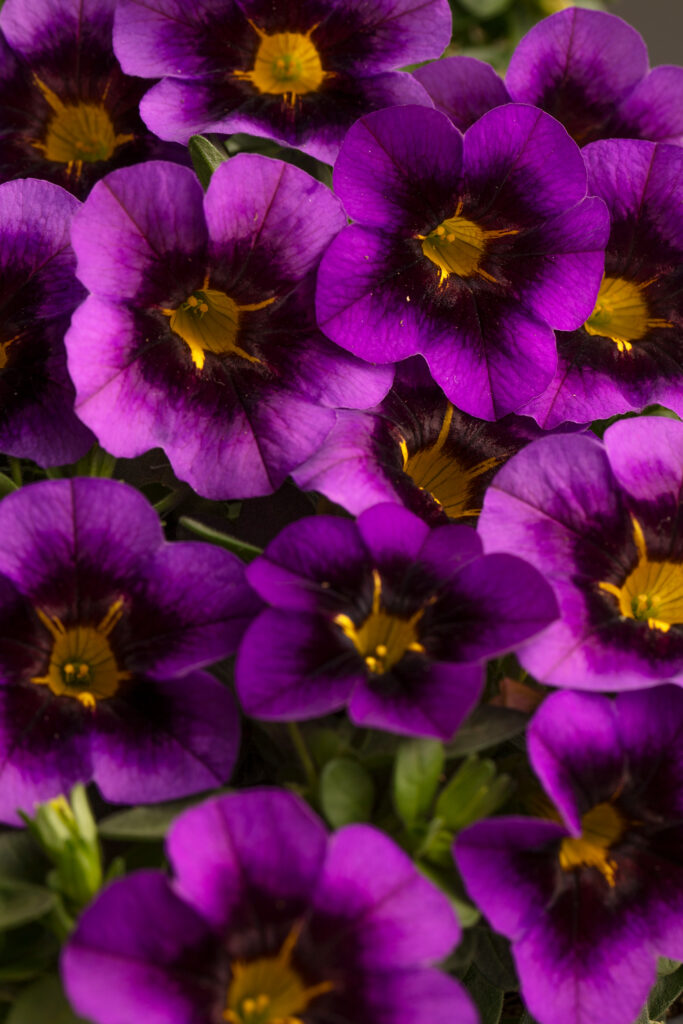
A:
458	246
82	663
269	990
382	639
4	358
621	313
653	591
446	481
601	827
209	321
286	64
78	133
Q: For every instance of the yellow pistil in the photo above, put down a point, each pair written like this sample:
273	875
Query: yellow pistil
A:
82	663
601	827
653	591
286	64
442	476
458	246
77	133
4	358
269	990
382	639
621	313
209	321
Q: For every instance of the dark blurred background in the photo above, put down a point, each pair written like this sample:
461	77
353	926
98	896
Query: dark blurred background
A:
661	24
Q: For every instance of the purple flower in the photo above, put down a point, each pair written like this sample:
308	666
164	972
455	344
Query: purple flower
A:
38	293
268	920
415	449
587	68
629	353
300	73
67	112
590	897
468	250
603	525
199	335
385	615
104	626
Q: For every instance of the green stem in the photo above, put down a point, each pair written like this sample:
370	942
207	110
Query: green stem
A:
16	471
247	552
306	760
170	501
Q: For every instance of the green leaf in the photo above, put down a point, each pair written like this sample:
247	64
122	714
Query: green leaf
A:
488	998
445	880
487	726
26	953
417	771
347	792
44	1001
21	903
206	157
494	960
21	857
484	9
665	992
666	966
247	552
463	790
146	823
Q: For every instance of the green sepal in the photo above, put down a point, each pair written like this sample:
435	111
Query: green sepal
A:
347	792
148	823
417	771
666	991
44	1001
206	157
488	998
487	726
494	959
21	903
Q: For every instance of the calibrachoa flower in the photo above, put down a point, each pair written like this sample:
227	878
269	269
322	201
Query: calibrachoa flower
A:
468	250
38	293
629	353
587	68
268	920
67	111
199	335
103	627
591	897
297	73
385	615
415	449
603	523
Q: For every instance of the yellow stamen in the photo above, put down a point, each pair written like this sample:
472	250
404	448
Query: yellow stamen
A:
4	358
621	313
77	133
442	476
269	990
286	64
601	827
458	246
82	663
382	639
653	591
209	321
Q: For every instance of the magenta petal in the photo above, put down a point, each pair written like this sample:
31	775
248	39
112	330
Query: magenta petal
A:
572	738
596	53
646	457
123	214
654	109
462	88
418	997
266	843
100	986
436	703
389	912
390	531
292	665
382	158
193	746
262	211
